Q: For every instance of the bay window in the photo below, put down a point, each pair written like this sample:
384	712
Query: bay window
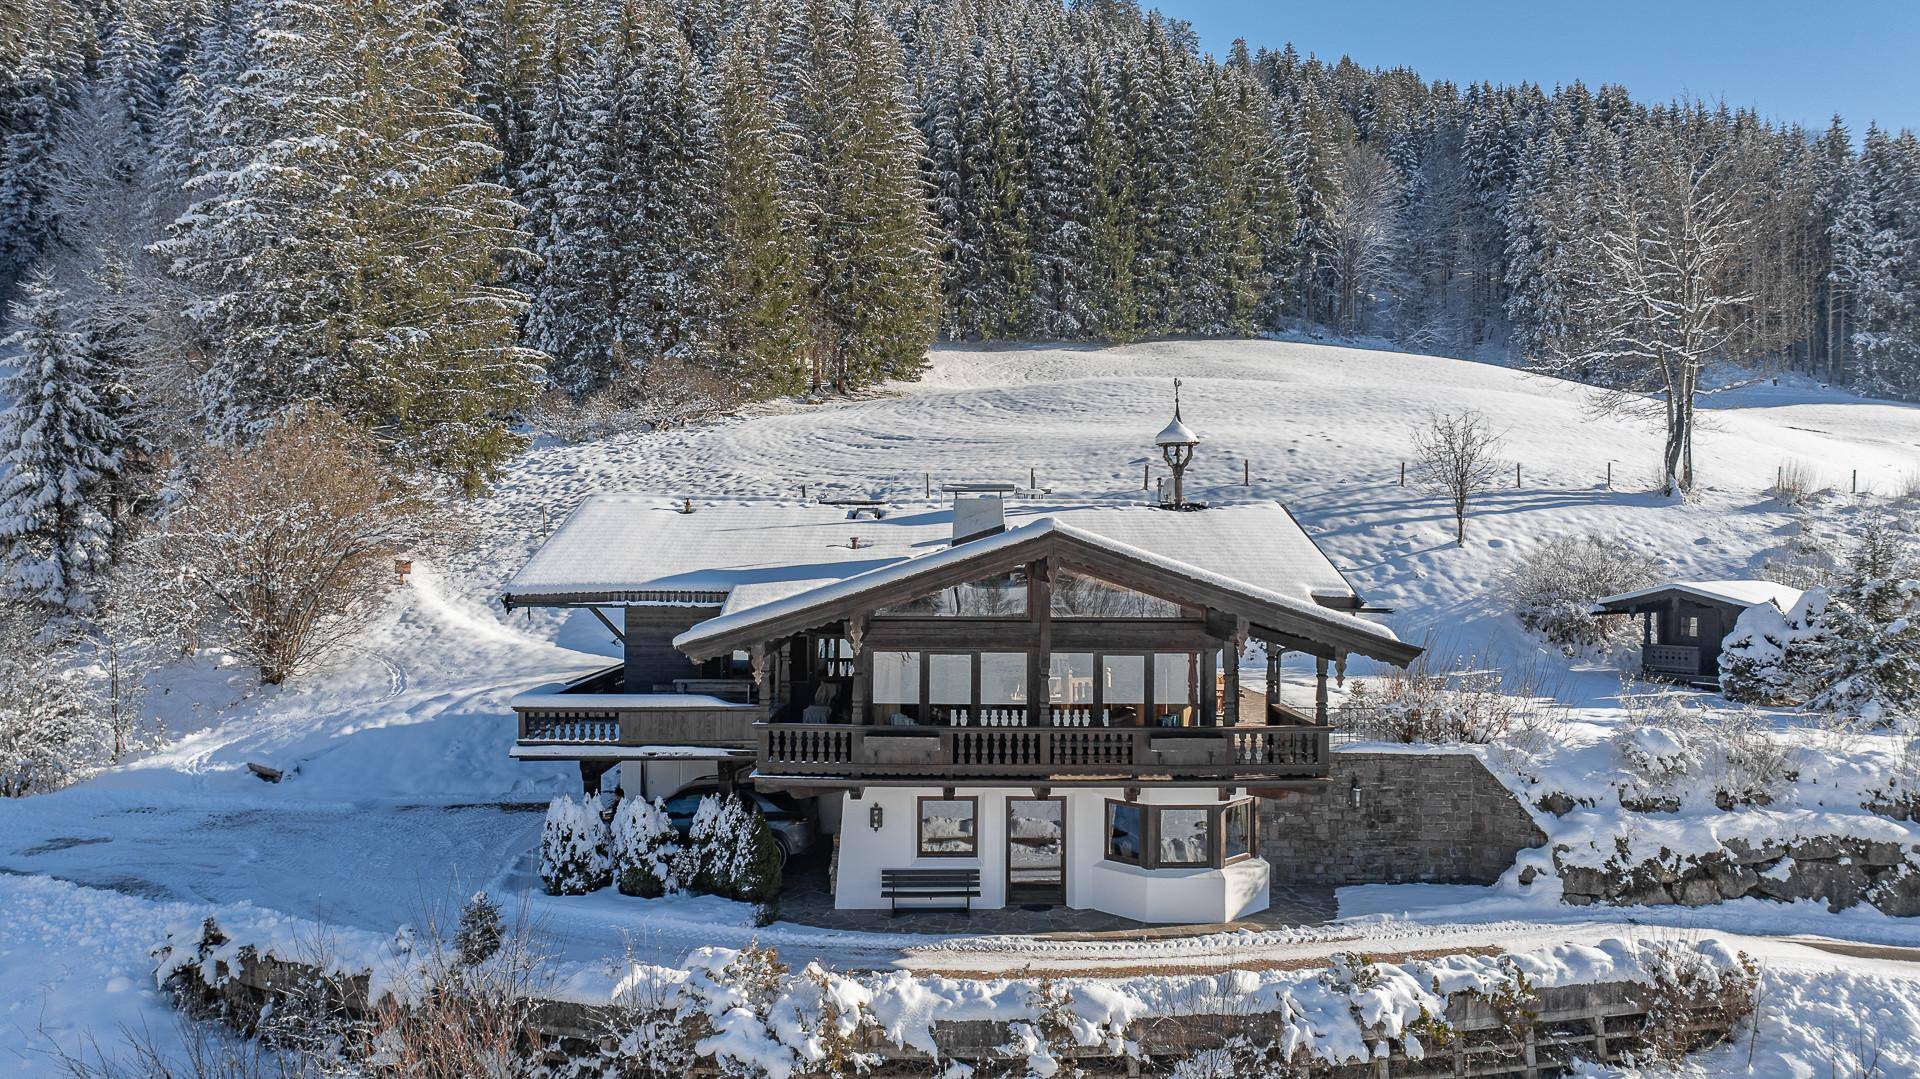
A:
1180	837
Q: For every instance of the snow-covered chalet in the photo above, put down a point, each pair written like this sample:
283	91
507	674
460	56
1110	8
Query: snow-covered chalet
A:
991	700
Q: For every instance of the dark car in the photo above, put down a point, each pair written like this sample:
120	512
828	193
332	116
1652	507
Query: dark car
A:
793	829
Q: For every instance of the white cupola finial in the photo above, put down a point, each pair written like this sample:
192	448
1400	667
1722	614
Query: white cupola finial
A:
1176	444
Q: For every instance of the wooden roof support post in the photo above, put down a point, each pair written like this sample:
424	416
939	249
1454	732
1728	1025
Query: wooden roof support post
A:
862	666
1039	666
762	685
1320	691
1236	644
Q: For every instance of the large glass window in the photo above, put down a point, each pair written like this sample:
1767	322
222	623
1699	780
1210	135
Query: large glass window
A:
1123	690
950	689
1003	689
948	828
1002	595
896	688
1186	836
1179	837
1237	831
1126	832
1176	689
1078	596
1070	688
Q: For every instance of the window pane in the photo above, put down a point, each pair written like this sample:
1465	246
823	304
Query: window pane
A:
1183	837
1003	595
1003	688
1239	830
1070	688
1077	596
1176	689
1126	831
896	688
946	827
950	689
1123	685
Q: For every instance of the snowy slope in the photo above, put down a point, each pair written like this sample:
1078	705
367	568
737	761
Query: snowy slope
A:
399	791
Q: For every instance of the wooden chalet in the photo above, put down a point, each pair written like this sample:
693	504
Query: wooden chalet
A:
1017	702
1683	623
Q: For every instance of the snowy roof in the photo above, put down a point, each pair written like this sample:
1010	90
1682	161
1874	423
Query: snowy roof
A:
1176	434
631	548
826	595
1737	593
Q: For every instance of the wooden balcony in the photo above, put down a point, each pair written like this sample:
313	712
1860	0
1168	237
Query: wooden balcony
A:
564	723
843	752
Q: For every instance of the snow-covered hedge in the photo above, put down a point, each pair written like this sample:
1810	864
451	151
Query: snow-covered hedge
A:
574	848
731	852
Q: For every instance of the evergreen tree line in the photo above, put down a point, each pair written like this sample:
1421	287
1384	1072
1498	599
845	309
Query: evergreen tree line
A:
418	212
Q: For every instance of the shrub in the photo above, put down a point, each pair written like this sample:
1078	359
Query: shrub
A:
1420	704
54	727
1870	667
644	848
1794	482
573	848
693	867
1554	587
1674	751
1693	998
1767	655
735	851
757	877
286	545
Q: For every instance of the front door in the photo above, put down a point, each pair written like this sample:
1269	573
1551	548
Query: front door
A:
1036	851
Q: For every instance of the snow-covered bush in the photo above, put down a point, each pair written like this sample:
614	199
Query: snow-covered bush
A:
1806	559
1420	704
1239	1057
1793	482
54	729
1046	1047
574	858
692	864
1768	655
287	544
1554	587
1674	750
644	847
1695	1001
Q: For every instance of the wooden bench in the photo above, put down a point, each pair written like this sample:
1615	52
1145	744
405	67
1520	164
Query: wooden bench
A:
960	884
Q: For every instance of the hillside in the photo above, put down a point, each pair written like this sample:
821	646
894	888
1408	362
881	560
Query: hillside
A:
400	794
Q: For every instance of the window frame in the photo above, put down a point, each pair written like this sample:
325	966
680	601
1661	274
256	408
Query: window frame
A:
920	825
1216	845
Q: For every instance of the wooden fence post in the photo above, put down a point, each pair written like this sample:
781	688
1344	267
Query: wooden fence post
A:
1146	475
1516	474
1031	484
1609	475
1403	473
1246	473
929	483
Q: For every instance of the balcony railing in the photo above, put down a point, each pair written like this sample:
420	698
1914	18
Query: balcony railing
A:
856	752
1670	659
576	715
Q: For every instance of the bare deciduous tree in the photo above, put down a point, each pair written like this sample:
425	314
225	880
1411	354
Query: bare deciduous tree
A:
286	545
1458	456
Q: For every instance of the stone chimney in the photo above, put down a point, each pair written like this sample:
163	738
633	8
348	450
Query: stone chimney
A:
975	516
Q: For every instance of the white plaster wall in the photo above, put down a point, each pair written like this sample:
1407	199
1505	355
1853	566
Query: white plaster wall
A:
1157	895
663	777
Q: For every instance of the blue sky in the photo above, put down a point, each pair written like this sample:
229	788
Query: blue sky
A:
1792	61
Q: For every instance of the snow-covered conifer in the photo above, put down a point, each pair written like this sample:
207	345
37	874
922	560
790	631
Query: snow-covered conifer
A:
644	849
60	450
574	857
1871	668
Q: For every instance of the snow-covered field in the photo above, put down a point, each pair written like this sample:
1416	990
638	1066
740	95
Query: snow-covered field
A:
400	799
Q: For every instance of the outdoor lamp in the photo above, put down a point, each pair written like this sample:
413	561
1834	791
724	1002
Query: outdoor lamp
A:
876	816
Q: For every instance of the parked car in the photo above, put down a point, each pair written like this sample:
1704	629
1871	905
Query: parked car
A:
793	829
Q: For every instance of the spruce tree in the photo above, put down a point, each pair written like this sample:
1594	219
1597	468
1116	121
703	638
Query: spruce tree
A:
356	260
61	452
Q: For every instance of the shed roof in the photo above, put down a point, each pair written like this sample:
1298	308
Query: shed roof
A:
626	548
1740	593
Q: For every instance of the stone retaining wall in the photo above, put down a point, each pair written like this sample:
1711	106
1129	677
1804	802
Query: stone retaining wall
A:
1842	872
1420	817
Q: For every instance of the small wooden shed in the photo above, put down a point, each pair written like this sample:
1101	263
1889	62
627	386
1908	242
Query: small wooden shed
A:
1684	622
